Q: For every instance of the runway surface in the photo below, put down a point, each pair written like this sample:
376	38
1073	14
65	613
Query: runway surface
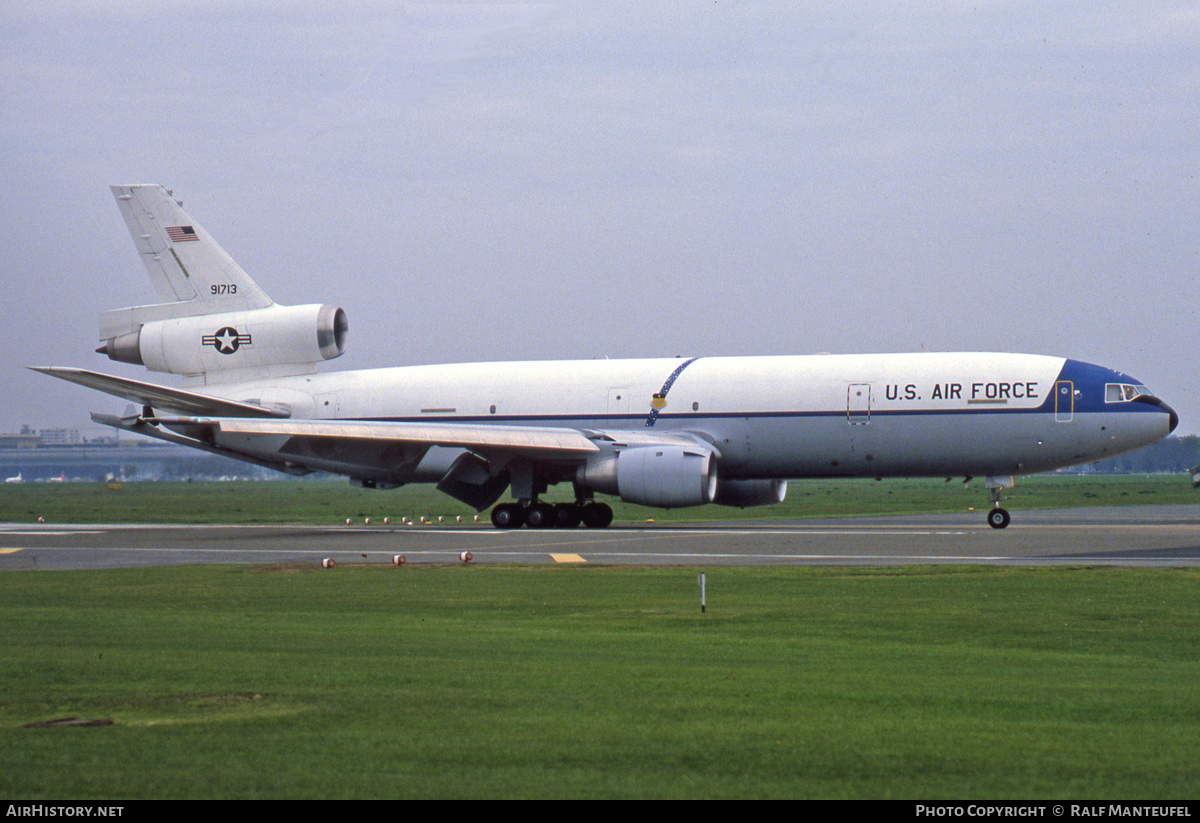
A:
1133	536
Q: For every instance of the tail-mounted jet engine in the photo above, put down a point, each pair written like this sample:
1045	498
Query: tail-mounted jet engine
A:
282	339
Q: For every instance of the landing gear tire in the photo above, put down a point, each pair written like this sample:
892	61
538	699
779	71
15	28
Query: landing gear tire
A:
540	516
597	515
998	518
508	516
567	515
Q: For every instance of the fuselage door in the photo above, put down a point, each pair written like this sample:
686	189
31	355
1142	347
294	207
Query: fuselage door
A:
1064	401
858	404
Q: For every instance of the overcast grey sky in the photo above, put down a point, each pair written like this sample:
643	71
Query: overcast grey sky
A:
575	180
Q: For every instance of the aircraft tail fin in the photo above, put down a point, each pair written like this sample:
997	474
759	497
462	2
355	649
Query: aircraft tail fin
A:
185	264
215	324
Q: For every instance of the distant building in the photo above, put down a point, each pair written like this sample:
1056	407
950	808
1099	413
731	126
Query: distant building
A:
64	454
60	437
23	440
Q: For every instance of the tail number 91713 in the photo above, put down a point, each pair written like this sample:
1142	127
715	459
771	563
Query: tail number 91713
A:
223	288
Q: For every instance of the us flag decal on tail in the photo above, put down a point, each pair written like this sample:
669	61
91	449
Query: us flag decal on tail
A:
181	234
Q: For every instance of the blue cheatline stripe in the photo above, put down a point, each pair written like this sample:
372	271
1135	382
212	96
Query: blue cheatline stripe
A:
666	387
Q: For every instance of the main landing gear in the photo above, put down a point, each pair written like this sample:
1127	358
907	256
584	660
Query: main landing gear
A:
550	516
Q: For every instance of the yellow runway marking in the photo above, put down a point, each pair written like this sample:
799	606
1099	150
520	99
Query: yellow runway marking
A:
567	558
9	551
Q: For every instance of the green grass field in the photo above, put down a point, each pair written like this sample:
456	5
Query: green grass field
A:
524	682
592	682
331	501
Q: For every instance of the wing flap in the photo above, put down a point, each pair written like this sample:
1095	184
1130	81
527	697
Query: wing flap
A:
527	441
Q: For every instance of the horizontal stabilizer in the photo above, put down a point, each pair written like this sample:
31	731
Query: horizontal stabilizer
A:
160	398
139	426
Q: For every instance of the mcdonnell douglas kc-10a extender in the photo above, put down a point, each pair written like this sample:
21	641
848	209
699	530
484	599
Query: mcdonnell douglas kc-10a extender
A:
664	432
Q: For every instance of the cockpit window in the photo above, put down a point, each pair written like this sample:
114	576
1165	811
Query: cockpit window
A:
1123	392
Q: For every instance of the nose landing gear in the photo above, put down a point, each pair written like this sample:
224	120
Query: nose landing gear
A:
998	517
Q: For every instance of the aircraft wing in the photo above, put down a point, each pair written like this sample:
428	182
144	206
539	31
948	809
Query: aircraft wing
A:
160	398
525	441
472	462
245	422
469	462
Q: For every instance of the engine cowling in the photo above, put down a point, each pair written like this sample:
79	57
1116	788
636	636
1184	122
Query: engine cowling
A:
279	339
663	476
743	493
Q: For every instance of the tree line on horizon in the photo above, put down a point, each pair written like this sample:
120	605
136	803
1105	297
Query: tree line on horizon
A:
1167	456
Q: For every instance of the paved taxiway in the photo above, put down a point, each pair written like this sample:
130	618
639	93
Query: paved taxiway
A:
1138	535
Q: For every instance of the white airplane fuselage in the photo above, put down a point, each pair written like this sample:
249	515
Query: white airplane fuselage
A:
662	432
771	417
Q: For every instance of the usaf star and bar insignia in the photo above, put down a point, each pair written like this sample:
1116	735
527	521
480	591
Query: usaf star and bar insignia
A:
226	340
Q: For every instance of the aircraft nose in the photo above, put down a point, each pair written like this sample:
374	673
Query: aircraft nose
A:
1173	418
